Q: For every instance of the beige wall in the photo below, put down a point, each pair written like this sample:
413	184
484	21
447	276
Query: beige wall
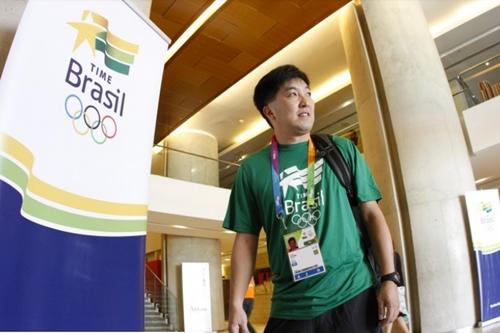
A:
159	163
261	261
10	14
153	242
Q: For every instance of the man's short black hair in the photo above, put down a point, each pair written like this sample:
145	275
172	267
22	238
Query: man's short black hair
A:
268	86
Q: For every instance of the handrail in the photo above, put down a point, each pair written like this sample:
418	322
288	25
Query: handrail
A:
347	128
161	297
478	65
198	155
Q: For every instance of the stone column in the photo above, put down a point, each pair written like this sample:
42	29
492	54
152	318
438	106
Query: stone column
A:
181	249
185	157
185	162
415	145
376	147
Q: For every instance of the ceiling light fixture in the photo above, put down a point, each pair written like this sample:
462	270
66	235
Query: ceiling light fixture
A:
482	180
257	128
157	149
179	226
180	130
193	28
335	83
460	16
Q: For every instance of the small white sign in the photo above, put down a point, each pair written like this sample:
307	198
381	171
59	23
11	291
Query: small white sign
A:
483	208
196	297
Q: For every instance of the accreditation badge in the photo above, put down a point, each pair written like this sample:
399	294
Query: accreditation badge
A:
304	253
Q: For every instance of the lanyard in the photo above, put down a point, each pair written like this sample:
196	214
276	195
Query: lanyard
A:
275	170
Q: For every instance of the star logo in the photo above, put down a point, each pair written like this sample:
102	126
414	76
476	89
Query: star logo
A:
93	29
86	32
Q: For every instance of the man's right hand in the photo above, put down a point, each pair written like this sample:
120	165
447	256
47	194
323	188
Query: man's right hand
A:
237	320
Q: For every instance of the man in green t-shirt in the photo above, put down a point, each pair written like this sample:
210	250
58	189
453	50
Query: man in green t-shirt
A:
322	282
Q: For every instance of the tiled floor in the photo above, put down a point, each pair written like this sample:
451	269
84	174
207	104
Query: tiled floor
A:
494	328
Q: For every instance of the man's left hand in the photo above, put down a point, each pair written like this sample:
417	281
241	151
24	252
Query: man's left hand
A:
388	303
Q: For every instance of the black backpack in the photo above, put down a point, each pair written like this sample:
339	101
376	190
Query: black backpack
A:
331	153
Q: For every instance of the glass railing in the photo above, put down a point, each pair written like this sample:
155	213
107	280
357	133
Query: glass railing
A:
162	299
159	164
347	127
477	83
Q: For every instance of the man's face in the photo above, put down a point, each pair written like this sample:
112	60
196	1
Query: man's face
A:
292	111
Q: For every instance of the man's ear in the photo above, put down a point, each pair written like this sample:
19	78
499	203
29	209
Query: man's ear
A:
268	113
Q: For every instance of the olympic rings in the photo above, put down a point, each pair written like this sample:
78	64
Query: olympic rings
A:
91	120
104	128
75	116
307	218
96	122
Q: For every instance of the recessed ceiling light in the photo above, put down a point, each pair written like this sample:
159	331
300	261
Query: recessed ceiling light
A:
333	84
157	149
258	127
482	180
241	121
179	226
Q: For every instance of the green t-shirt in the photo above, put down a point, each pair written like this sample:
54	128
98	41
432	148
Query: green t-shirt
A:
251	207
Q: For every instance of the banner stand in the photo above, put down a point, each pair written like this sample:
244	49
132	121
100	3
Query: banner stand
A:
483	208
78	101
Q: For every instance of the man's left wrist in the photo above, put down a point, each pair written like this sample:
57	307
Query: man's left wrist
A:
392	277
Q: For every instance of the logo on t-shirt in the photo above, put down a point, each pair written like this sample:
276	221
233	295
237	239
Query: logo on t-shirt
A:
294	186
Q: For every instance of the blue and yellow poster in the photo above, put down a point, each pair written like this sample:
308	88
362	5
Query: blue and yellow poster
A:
483	208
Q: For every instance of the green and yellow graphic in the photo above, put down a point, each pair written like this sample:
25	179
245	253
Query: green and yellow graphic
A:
118	53
54	207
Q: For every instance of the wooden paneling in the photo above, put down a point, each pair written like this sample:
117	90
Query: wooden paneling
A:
175	16
238	38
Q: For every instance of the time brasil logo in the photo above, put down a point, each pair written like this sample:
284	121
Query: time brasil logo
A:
100	116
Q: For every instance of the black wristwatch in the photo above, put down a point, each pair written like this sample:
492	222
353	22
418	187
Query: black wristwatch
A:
394	277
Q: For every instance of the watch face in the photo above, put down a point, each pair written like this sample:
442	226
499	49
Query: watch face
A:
394	277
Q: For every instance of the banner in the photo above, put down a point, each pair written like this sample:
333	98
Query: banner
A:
483	209
78	101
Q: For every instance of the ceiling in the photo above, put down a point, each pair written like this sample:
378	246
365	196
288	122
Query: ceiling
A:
206	87
208	84
236	39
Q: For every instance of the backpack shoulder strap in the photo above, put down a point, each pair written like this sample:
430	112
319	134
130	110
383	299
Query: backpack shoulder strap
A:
331	153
